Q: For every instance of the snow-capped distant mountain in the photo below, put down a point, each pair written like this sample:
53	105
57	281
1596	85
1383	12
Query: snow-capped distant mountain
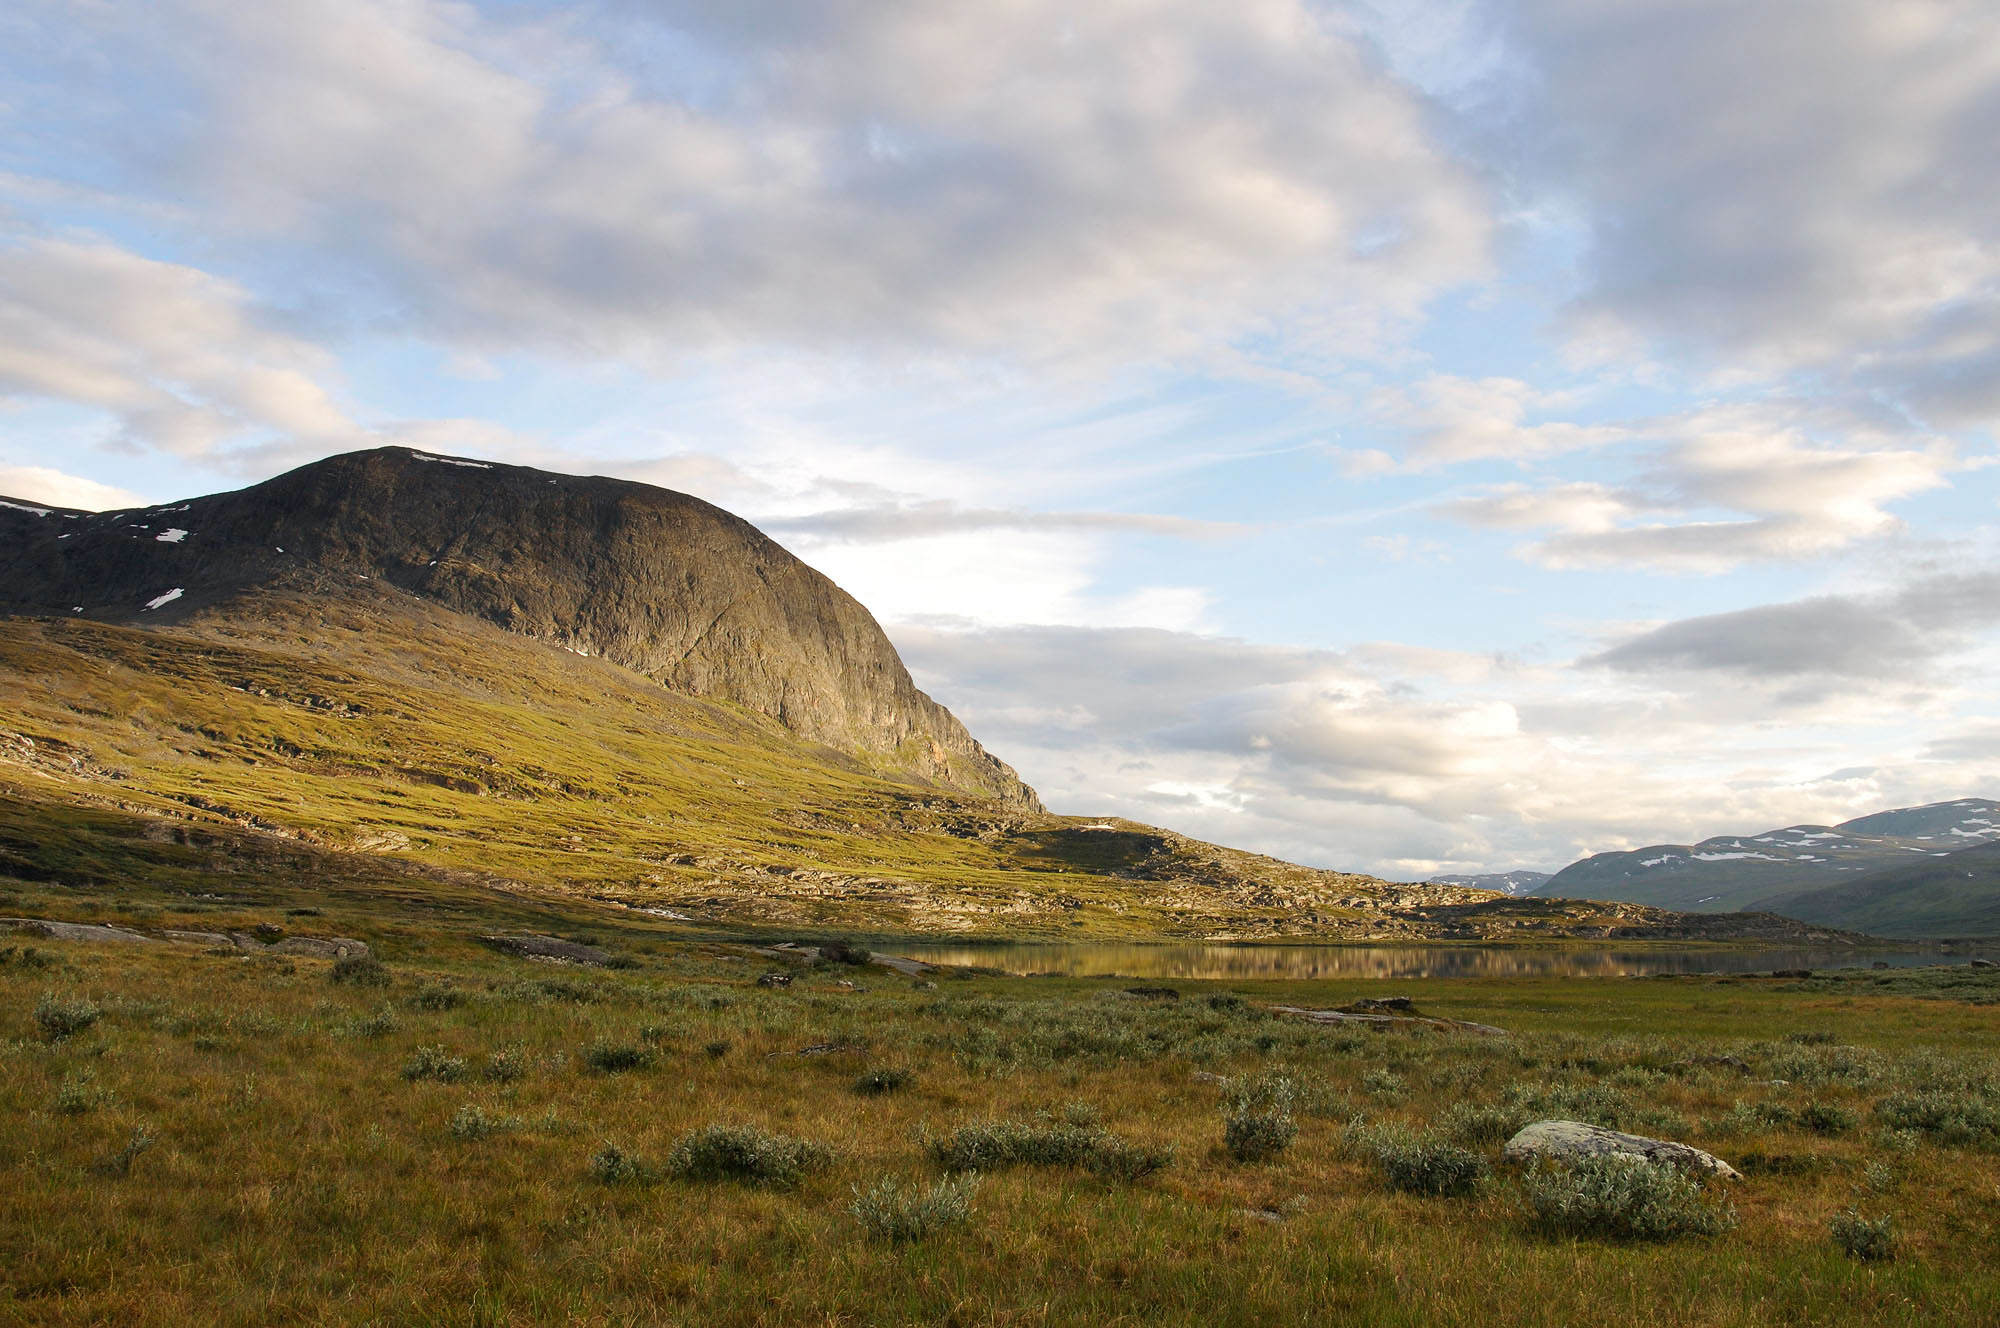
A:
1507	883
1735	871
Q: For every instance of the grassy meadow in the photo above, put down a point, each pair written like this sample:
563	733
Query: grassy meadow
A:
459	1136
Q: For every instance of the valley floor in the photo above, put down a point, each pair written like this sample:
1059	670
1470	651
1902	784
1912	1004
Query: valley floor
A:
463	1136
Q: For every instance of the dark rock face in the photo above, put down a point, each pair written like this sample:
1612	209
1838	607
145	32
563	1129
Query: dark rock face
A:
656	581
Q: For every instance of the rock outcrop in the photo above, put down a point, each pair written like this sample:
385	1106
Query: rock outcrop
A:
1563	1140
656	581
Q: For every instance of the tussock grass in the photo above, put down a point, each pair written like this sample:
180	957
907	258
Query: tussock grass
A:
293	1174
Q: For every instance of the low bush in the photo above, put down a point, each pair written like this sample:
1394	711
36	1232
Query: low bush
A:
746	1153
24	956
882	1079
1472	1124
58	1019
380	1024
1943	1116
1432	1169
505	1066
1828	1118
471	1123
612	1165
840	952
435	996
1257	1118
77	1094
1621	1198
358	971
618	1057
718	1048
434	1063
1871	1240
1072	1138
894	1213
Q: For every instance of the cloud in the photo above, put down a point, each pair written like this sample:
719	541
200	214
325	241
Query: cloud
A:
1888	636
178	357
1446	419
1403	761
1798	497
1775	187
914	520
648	179
40	484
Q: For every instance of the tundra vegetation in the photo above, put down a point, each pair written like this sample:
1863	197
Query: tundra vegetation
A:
455	1134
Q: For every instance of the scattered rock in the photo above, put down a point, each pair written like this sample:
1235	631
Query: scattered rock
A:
923	986
1569	1139
775	980
1209	1077
1984	963
1154	993
549	947
74	931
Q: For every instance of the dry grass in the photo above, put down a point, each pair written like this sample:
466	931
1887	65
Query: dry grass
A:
254	1152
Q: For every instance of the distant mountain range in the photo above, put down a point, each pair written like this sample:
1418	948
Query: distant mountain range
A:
1915	871
1507	883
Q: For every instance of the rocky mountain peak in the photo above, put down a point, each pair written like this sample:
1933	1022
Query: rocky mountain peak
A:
656	581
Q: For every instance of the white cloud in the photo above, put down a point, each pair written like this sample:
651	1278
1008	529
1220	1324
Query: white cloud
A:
40	484
1030	177
1795	496
176	356
1446	419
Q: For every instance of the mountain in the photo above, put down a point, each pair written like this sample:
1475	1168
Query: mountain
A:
391	673
656	581
1741	871
1507	883
1957	894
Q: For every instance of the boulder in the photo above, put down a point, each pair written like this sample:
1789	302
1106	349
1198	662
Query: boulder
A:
73	931
549	947
1560	1140
1983	963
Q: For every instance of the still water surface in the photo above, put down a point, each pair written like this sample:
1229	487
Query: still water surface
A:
1105	959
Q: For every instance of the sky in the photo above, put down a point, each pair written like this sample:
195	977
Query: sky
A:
1444	436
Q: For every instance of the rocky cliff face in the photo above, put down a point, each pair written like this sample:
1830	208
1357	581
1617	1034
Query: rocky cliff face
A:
659	582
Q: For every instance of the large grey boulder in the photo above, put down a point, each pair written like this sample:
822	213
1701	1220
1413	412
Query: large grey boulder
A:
530	946
74	931
1561	1140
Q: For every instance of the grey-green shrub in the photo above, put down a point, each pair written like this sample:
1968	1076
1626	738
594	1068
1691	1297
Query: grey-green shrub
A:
58	1019
1621	1198
1432	1169
358	971
746	1153
78	1093
429	1062
472	1123
612	1165
894	1213
1072	1138
1257	1117
882	1079
617	1057
1943	1115
1868	1239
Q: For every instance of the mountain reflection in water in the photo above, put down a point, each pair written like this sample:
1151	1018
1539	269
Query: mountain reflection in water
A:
1113	959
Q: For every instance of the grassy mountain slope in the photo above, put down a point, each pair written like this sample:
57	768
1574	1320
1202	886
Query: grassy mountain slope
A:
1956	895
363	732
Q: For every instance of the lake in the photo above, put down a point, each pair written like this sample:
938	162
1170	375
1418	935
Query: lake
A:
1115	959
